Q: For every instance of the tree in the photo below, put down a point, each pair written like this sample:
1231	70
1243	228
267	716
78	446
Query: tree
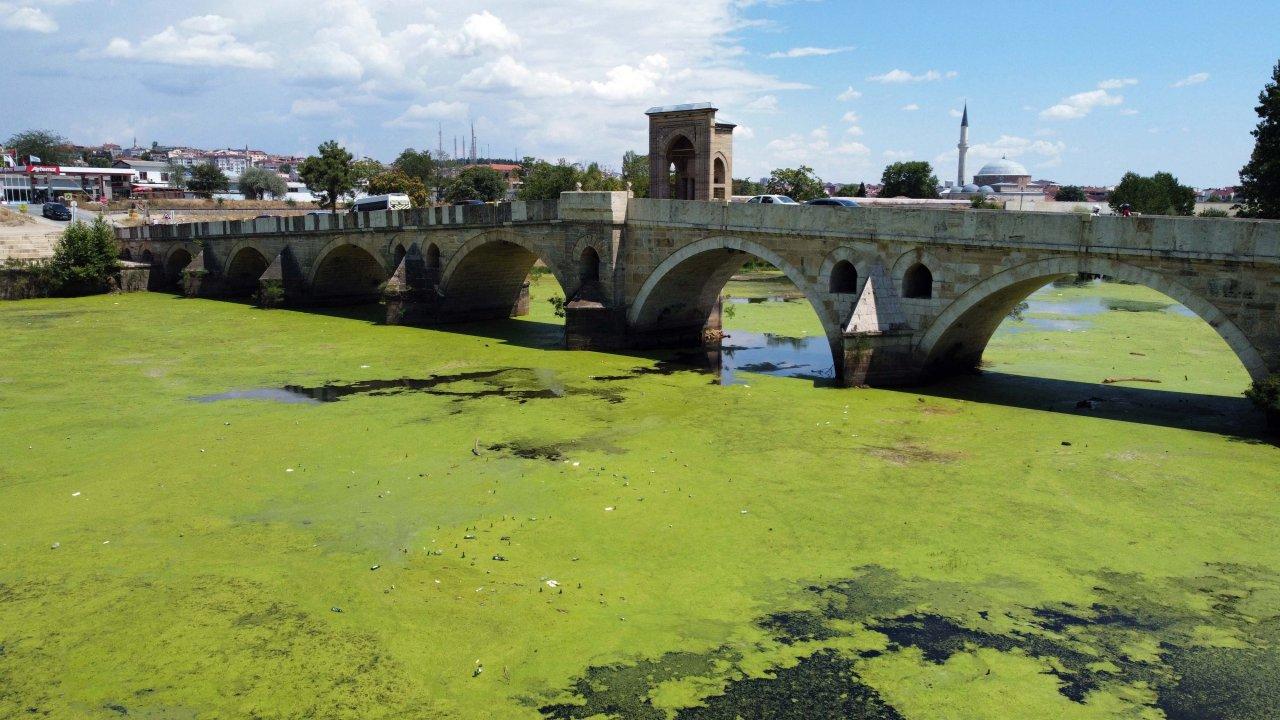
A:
1159	194
365	169
50	147
396	181
862	190
177	174
635	170
1260	178
799	184
914	179
545	181
207	179
329	174
419	165
1070	193
286	169
85	257
747	186
476	183
594	178
256	182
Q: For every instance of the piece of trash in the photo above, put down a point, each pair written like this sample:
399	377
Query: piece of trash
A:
106	542
364	367
742	512
1066	443
75	494
336	609
55	546
288	469
553	583
374	567
1114	380
468	536
479	669
575	463
609	509
499	558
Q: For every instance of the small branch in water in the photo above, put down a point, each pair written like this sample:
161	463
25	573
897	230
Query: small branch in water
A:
1114	380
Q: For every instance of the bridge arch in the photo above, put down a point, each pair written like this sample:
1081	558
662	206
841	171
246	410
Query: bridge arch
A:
959	334
245	264
684	287
346	271
177	260
483	279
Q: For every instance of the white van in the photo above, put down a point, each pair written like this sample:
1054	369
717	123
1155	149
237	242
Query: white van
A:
394	201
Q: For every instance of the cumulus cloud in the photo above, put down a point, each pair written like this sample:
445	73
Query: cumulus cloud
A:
902	76
911	107
1080	105
849	94
1195	79
314	107
814	149
1035	153
1117	83
204	40
422	115
798	52
25	17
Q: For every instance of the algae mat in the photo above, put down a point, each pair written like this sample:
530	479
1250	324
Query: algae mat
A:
218	512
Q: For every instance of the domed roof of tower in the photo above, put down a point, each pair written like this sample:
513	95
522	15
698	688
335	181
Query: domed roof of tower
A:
1003	166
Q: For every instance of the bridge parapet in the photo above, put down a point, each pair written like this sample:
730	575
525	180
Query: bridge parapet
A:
460	216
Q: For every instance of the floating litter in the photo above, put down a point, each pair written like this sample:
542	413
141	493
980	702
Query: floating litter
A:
75	494
553	583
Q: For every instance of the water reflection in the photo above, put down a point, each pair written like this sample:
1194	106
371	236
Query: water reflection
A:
767	354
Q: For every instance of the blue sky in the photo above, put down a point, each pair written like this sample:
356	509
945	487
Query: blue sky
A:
1078	92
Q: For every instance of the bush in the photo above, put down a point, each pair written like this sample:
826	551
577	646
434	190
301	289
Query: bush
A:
1266	394
1214	212
85	258
270	295
557	303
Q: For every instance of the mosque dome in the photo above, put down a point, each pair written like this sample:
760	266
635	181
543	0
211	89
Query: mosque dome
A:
1003	167
970	188
987	189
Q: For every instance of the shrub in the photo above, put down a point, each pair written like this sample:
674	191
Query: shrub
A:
1214	212
270	295
1266	393
84	259
557	302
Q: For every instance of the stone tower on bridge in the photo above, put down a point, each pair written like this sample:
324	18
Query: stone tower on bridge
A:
690	154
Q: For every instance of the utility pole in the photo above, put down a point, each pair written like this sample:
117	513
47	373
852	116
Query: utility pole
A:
439	139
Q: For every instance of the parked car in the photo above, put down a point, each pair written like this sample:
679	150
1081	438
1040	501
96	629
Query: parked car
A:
772	200
470	202
834	202
56	211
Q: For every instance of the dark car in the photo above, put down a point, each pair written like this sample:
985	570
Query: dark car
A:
835	202
469	202
56	211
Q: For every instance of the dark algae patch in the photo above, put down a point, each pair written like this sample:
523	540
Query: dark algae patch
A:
1191	648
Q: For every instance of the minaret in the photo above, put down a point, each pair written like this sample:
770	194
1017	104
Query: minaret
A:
963	146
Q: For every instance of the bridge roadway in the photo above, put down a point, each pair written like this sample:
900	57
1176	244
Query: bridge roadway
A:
904	294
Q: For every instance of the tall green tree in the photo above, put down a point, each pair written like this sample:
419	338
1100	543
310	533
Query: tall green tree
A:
329	174
365	169
1070	193
635	170
545	181
397	181
912	179
862	190
799	184
1159	194
593	177
256	182
1260	177
747	186
207	179
50	147
418	165
84	257
177	174
476	183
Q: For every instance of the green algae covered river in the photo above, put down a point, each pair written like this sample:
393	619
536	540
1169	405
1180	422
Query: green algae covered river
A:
213	511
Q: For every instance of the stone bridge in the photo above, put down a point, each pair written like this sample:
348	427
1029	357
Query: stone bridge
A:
904	294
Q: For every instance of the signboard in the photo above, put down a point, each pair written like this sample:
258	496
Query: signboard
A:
45	169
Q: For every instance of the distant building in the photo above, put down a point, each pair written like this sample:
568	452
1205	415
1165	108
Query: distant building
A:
1002	180
150	176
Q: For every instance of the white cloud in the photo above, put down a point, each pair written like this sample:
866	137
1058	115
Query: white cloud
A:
911	107
849	94
423	115
1195	79
203	40
1036	153
902	76
1128	111
1080	105
814	149
894	155
953	112
764	103
1116	83
20	17
797	52
314	107
850	117
743	132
